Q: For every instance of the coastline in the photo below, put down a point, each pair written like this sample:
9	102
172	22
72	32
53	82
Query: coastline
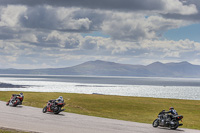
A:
7	85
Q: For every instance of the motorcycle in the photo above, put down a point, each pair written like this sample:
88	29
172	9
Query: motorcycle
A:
168	120
15	100
54	107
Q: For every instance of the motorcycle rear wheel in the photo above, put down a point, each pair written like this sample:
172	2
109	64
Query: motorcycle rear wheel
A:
155	123
175	126
58	110
44	109
17	103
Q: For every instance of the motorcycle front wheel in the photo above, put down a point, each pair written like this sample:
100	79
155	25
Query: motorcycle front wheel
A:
155	123
175	126
44	109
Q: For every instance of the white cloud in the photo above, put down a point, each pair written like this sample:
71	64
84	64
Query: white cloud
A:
28	37
176	6
10	15
91	48
173	49
137	27
63	40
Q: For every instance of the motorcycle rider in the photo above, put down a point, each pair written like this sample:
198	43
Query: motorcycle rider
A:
58	100
21	96
172	111
55	105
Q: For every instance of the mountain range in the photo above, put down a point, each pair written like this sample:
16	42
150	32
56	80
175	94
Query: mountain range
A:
104	68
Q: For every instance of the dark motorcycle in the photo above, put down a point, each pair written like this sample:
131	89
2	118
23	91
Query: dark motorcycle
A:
54	107
168	120
15	100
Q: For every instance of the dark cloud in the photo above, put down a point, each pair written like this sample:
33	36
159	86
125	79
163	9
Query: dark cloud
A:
81	20
193	18
188	2
96	17
42	17
94	4
6	33
39	18
124	32
69	44
89	43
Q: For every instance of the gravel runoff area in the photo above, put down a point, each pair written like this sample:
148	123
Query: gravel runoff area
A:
25	118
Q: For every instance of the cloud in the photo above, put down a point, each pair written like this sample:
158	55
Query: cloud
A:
28	37
10	15
93	4
49	31
89	43
188	17
137	27
177	7
33	24
74	49
63	40
45	17
126	26
125	5
173	49
50	18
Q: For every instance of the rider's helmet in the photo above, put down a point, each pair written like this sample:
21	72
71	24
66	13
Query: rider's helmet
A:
21	93
171	108
60	98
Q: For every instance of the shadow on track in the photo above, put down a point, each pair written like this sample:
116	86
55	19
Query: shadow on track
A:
16	106
19	107
165	128
55	114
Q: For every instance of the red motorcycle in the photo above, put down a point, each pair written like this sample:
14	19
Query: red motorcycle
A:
54	107
15	100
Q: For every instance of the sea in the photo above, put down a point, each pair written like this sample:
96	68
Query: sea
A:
158	87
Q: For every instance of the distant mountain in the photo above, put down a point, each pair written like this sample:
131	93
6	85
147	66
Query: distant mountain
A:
182	69
104	68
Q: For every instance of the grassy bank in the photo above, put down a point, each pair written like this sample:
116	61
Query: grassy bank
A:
136	109
6	130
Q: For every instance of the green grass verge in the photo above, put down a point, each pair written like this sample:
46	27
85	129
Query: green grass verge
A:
137	109
5	130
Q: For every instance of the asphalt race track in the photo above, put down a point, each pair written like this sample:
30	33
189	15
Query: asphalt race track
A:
32	119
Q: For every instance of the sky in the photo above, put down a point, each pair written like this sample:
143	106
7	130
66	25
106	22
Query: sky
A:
62	33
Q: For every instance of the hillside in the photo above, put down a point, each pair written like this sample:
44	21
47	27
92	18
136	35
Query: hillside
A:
104	68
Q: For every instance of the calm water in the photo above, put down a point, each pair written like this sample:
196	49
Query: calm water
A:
179	88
